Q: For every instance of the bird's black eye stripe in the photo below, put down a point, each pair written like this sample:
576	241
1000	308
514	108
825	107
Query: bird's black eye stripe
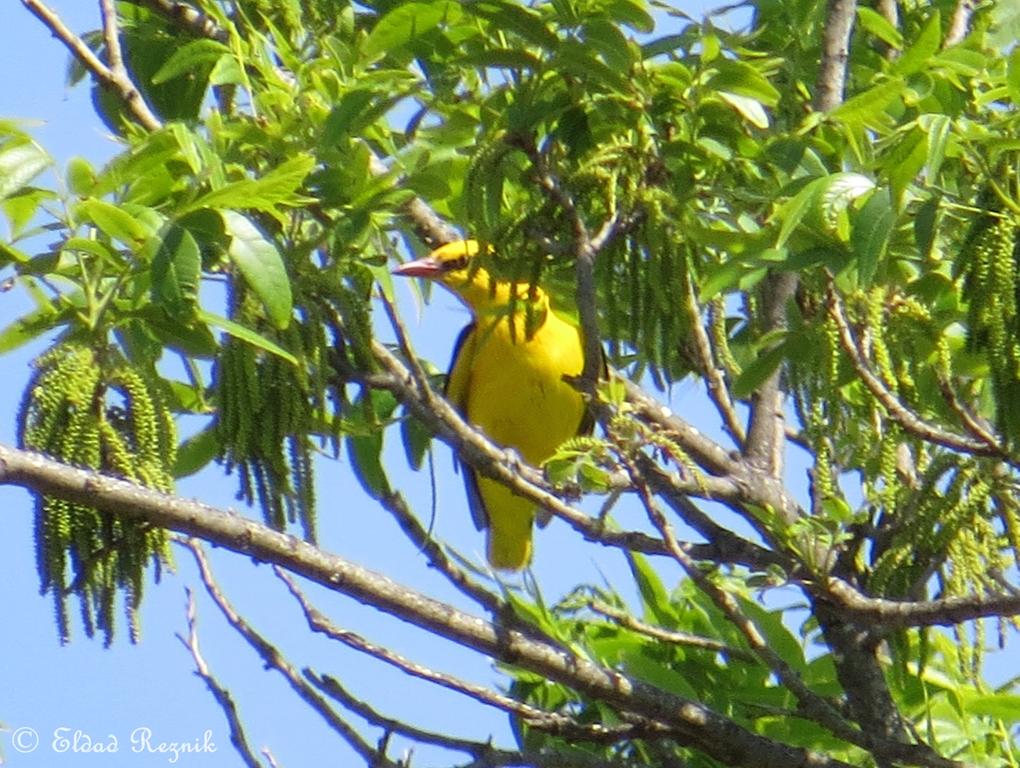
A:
458	263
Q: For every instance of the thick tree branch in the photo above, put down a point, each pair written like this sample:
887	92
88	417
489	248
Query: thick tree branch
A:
766	433
691	723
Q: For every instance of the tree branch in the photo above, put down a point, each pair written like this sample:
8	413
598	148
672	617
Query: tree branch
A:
273	659
831	83
221	694
959	22
114	77
691	723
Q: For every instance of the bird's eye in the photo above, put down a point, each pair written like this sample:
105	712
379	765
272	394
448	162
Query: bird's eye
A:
455	264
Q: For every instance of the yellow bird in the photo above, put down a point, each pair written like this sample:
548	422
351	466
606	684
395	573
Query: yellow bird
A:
508	379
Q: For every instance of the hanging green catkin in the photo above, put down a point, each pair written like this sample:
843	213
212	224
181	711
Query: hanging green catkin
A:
988	263
69	413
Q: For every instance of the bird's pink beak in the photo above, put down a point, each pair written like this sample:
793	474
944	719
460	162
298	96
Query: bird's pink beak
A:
426	267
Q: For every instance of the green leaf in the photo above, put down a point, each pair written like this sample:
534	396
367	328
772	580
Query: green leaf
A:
22	206
406	22
27	328
341	120
579	60
821	204
1001	706
878	25
197	451
927	44
938	130
115	221
278	187
760	369
868	107
176	265
870	234
661	45
780	639
905	161
262	266
607	39
184	334
520	20
654	596
189	57
81	176
364	446
416	438
750	109
244	334
924	225
631	13
20	162
743	80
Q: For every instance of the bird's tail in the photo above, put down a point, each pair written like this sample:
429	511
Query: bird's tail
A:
510	519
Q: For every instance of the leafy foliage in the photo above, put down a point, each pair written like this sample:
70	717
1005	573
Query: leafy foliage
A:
248	236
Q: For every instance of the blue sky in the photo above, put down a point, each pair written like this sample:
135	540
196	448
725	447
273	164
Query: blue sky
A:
103	692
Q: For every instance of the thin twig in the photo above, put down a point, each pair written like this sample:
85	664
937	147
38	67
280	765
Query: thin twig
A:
535	717
672	636
394	504
718	391
903	416
221	694
484	753
273	659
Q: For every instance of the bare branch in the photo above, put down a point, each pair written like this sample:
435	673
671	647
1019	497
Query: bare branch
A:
484	753
535	717
718	391
221	694
394	504
114	78
273	659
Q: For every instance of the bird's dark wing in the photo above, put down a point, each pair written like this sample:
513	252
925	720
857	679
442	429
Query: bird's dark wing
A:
458	390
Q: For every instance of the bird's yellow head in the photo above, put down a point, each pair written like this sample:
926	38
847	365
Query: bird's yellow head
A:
449	264
454	266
